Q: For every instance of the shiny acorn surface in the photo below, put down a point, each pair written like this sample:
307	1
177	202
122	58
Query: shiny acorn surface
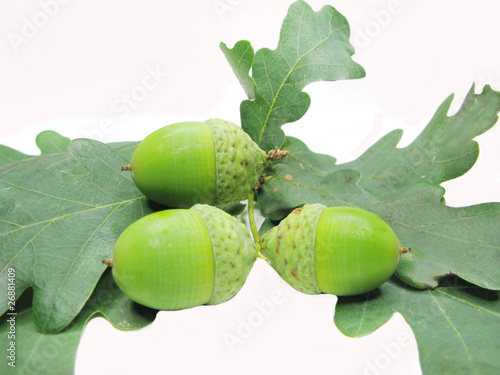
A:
213	162
335	250
181	258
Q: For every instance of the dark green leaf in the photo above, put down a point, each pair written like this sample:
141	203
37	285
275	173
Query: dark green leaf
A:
240	57
234	209
444	240
60	216
39	353
443	151
313	46
300	156
456	326
293	186
266	225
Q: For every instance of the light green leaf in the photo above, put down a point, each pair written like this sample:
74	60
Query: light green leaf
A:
50	142
240	57
313	46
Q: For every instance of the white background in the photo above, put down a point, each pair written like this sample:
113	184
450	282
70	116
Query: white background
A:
71	68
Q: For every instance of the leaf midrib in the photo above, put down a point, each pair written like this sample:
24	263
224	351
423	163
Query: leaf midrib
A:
304	162
442	290
317	191
455	329
46	194
386	173
56	147
53	302
53	220
418	228
290	71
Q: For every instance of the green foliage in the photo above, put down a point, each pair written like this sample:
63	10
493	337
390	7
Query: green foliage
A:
240	57
39	353
9	155
48	142
312	47
62	211
61	215
443	151
401	186
456	325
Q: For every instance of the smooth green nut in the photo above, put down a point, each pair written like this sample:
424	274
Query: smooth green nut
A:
181	258
335	250
213	162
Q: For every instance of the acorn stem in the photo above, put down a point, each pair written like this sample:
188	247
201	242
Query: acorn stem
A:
127	167
108	262
404	250
259	255
251	218
276	154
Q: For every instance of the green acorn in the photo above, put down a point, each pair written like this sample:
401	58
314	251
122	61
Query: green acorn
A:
336	250
181	258
213	162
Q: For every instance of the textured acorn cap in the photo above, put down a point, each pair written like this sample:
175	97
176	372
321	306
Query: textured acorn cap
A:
234	251
290	247
239	162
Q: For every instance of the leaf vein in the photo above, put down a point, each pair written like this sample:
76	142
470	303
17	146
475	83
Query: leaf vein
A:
52	306
317	191
459	336
46	194
71	214
290	71
303	161
442	291
24	247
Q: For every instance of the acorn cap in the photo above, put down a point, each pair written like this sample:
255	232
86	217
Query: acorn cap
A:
289	247
239	162
234	251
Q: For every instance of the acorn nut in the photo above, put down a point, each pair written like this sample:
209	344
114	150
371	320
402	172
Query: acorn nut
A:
213	162
181	258
336	250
